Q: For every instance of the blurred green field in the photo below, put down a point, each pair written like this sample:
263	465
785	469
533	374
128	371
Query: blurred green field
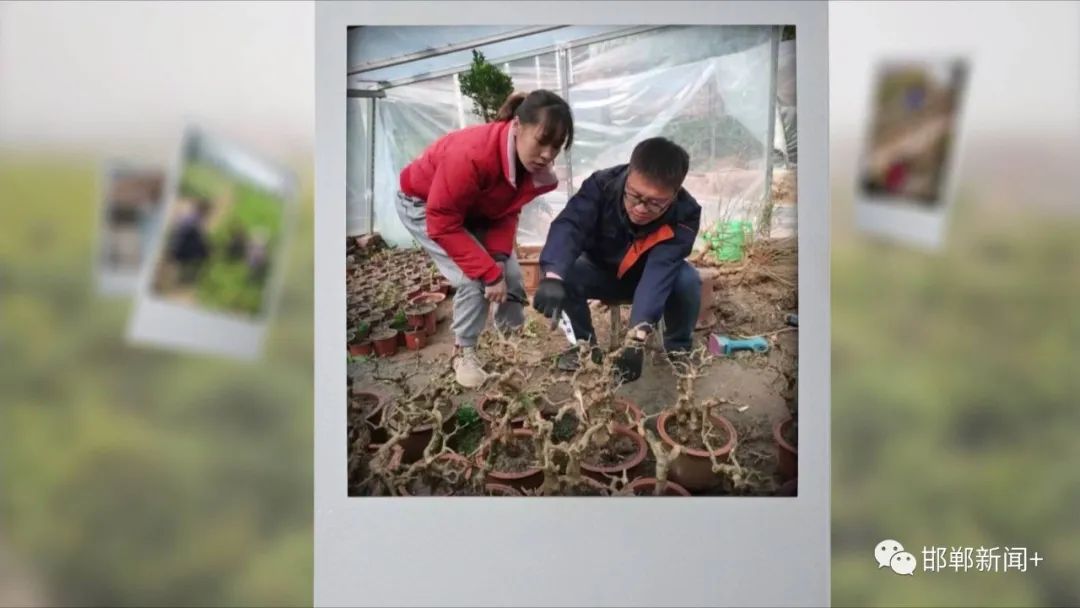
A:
954	411
141	477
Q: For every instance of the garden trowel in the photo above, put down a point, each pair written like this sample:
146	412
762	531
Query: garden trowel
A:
561	319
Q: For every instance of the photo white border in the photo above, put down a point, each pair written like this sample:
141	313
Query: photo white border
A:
914	223
111	282
578	551
155	321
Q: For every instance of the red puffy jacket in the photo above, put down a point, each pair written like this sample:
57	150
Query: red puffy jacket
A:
467	178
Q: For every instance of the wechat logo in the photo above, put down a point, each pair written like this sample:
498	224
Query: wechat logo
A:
891	554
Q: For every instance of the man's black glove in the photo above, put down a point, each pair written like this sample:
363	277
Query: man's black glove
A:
549	297
630	359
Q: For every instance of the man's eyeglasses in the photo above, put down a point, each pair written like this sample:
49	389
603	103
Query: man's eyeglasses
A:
652	205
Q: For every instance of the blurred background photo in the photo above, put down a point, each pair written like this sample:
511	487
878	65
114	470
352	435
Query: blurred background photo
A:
906	179
135	476
130	217
222	232
212	284
912	127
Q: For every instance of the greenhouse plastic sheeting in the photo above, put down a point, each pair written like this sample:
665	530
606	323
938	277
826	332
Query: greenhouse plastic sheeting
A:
358	170
707	88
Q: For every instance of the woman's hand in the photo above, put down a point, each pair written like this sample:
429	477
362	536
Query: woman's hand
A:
497	293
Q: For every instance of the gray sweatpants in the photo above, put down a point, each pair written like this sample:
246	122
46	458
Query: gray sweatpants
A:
470	306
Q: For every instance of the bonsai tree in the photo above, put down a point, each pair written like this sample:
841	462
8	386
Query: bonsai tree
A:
487	86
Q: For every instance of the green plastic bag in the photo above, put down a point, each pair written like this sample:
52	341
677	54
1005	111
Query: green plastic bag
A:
729	243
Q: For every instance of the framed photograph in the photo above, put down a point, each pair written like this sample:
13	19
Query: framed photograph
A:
130	215
212	282
448	408
908	165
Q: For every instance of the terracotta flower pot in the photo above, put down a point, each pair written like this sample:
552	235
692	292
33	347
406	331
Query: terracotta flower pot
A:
787	456
416	315
386	342
528	479
422	316
645	486
530	274
415	339
443	307
603	473
706	315
693	468
361	349
431	323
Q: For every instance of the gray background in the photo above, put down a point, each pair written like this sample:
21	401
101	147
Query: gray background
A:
571	551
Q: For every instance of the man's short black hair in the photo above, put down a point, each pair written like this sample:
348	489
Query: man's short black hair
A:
661	161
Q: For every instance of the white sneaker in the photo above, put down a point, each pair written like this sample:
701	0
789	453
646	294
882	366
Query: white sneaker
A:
468	369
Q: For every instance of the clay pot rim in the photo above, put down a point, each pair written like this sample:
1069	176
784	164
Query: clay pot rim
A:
385	333
380	402
626	465
481	453
718	420
650	482
419	310
428	297
778	434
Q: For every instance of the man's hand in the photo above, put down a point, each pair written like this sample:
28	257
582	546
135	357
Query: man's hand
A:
631	358
549	297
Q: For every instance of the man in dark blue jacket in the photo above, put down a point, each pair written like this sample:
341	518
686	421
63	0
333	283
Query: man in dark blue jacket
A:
626	235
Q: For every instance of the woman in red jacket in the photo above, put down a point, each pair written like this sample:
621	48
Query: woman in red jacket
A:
461	200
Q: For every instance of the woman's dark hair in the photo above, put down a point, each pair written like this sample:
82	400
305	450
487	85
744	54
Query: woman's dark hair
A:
541	107
661	161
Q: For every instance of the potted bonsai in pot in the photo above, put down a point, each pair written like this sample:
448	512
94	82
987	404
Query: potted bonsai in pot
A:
385	341
415	338
419	419
786	435
699	441
421	316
